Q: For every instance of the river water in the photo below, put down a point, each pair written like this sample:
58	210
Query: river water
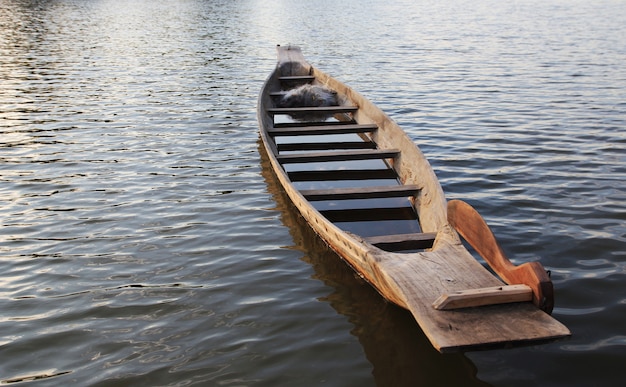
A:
144	241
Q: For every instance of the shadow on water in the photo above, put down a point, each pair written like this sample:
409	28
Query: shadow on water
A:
399	351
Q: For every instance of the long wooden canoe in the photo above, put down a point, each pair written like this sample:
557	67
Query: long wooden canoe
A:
367	190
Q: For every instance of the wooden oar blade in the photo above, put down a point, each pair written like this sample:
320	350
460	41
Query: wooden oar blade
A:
473	228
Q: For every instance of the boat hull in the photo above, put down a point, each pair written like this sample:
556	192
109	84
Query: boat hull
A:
412	280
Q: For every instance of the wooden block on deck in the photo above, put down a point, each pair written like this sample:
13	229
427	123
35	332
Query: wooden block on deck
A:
484	296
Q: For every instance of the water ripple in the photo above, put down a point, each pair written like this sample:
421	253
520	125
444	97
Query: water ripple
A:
140	239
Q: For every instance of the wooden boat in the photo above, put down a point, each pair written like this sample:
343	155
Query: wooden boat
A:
367	190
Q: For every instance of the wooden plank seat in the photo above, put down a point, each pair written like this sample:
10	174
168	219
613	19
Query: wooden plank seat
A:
347	155
310	146
297	78
314	130
342	174
305	123
313	110
403	242
361	192
370	214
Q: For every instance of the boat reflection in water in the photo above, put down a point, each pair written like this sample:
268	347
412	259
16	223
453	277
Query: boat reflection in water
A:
399	351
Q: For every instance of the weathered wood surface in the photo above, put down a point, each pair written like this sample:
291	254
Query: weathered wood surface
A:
475	230
415	280
485	296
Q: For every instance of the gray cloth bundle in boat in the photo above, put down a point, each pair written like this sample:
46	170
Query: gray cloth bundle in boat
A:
309	96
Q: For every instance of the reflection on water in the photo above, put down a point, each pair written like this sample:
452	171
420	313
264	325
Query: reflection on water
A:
138	238
393	342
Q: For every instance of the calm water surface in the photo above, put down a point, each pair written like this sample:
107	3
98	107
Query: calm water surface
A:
144	241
